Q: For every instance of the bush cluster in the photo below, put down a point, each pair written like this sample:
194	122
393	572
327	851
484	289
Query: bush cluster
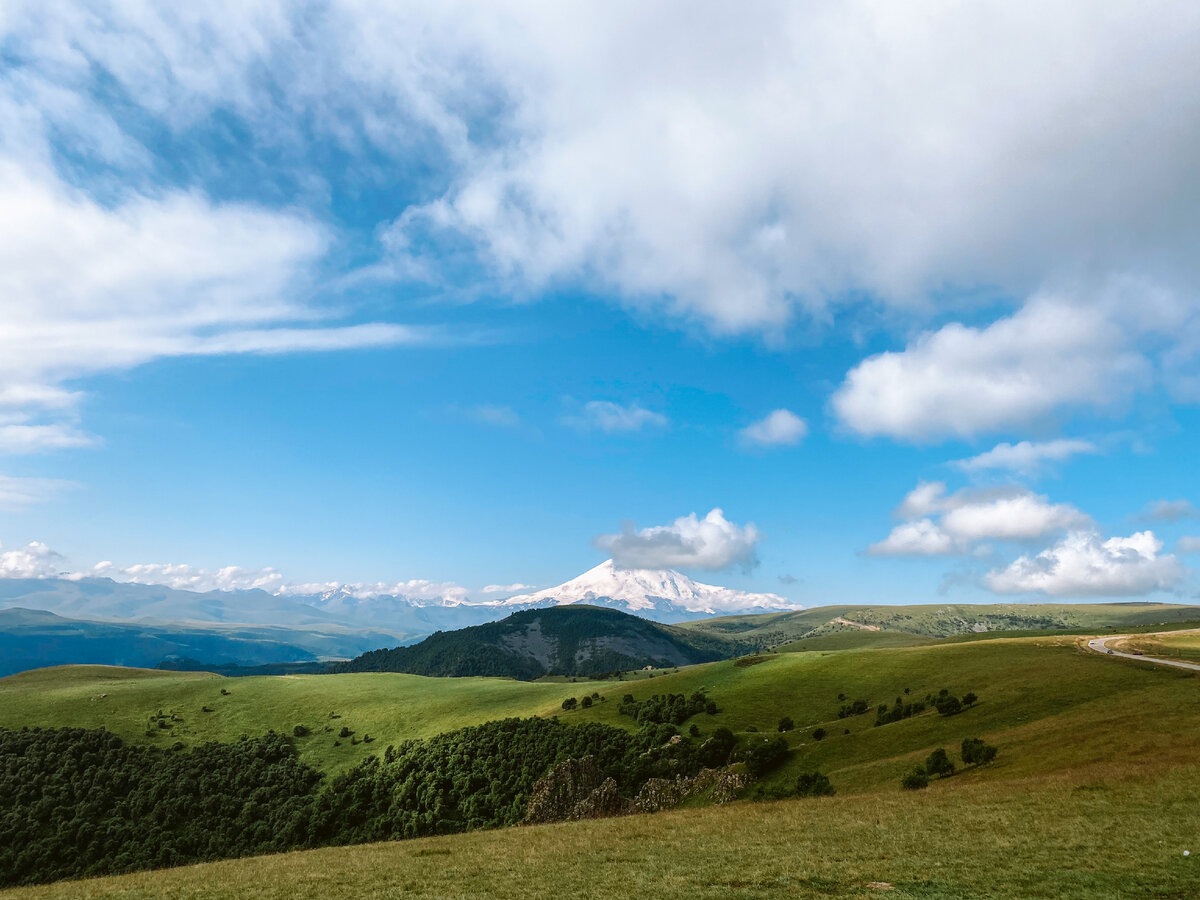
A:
673	709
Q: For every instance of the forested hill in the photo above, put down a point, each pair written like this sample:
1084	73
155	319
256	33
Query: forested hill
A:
563	640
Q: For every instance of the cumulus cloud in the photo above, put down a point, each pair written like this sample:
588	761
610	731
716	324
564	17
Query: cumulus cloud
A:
34	560
725	166
604	415
1021	516
687	543
1170	510
1083	564
508	588
37	560
962	381
1026	456
920	538
939	523
190	578
779	429
236	578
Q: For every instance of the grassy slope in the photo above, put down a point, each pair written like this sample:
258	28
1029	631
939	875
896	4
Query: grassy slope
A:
389	707
939	620
1093	793
1040	838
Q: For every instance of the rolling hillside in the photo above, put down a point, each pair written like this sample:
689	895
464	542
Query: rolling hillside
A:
936	621
1092	793
574	640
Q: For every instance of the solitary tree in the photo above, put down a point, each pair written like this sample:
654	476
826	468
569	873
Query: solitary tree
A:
915	779
938	764
819	734
786	724
570	703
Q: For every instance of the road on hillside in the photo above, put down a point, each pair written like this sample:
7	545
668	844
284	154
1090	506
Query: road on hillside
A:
1100	646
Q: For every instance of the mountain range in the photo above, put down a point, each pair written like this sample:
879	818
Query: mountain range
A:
333	624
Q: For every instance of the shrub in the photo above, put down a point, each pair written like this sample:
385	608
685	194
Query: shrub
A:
819	734
813	784
300	731
976	753
345	732
969	699
948	705
764	756
570	703
694	730
938	764
786	724
857	708
915	780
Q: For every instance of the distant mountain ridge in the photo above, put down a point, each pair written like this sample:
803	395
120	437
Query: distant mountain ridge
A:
573	639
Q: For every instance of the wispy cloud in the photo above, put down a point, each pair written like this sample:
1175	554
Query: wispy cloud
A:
1026	456
605	415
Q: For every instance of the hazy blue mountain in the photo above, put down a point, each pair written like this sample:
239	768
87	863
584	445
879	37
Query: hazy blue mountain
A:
31	639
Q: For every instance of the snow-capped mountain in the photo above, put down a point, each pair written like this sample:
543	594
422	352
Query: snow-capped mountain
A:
660	594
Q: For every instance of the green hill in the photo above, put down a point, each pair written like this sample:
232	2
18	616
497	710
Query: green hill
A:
1092	794
575	640
937	621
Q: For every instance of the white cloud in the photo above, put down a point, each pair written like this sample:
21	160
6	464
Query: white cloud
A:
1083	564
938	523
1170	510
17	492
1027	456
34	560
1188	544
781	428
236	578
961	381
1021	516
604	415
508	588
926	498
688	543
726	164
22	438
920	538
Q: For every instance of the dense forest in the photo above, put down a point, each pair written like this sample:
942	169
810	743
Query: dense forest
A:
572	640
75	803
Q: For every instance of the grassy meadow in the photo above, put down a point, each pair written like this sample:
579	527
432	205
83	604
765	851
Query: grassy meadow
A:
1093	792
1058	836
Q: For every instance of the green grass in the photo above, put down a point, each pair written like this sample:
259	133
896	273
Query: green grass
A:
389	707
940	620
855	639
1093	792
1035	838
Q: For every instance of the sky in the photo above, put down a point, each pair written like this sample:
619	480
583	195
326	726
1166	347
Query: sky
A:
860	303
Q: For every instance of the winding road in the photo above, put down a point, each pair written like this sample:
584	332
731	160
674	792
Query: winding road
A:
1100	646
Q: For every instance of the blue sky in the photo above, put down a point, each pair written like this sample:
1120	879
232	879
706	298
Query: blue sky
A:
439	299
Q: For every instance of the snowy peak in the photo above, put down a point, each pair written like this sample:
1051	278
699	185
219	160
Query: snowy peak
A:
654	593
